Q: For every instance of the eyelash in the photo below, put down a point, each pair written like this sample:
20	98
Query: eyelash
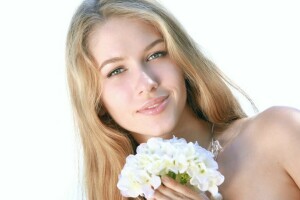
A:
116	72
151	57
156	55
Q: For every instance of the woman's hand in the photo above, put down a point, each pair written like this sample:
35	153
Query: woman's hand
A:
172	190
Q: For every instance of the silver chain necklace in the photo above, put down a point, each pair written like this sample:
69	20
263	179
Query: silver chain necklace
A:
214	146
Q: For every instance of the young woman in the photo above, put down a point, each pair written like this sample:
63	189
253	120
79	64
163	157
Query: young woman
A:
134	73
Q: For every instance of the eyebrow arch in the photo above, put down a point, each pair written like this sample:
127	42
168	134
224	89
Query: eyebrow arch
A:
111	60
116	59
152	44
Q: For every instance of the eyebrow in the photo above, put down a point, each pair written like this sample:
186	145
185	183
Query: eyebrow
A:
155	42
116	59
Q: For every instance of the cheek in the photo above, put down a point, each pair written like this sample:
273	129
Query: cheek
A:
115	97
174	75
182	89
179	83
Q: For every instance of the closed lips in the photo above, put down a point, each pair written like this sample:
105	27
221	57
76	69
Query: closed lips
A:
153	103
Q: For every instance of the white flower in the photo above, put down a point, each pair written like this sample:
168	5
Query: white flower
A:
188	163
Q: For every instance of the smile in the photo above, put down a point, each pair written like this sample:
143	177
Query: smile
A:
154	106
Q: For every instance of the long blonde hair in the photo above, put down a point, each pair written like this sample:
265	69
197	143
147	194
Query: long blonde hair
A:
105	144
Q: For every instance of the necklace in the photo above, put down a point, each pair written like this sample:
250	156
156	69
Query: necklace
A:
214	146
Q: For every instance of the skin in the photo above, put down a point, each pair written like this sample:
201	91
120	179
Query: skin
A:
259	159
136	71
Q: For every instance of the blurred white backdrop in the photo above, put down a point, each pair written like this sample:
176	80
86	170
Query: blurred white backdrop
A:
256	43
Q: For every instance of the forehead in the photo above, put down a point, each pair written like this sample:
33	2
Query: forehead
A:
119	31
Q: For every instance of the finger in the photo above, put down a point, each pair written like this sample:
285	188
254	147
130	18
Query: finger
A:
159	195
171	183
169	193
181	190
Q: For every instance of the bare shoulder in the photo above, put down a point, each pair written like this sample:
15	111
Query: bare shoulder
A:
278	122
277	130
264	155
279	114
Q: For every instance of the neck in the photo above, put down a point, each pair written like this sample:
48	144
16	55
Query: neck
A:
194	129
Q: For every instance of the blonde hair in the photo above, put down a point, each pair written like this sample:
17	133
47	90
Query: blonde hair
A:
105	144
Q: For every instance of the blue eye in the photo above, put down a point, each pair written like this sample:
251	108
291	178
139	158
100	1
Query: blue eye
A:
116	72
156	55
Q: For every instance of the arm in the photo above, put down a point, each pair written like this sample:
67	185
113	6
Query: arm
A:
283	136
291	144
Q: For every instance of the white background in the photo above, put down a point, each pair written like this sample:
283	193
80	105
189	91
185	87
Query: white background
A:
256	43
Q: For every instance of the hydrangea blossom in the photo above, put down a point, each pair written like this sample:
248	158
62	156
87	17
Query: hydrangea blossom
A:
188	163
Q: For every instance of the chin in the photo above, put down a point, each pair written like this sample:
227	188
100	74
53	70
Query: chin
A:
166	134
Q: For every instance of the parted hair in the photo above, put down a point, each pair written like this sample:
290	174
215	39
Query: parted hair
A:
105	144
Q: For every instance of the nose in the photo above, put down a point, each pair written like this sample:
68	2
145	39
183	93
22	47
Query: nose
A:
146	82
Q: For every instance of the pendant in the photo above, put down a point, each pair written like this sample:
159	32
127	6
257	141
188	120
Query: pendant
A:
215	147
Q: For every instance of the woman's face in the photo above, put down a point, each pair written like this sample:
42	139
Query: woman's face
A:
143	89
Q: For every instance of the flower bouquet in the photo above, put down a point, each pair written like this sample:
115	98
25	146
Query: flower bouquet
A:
188	163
